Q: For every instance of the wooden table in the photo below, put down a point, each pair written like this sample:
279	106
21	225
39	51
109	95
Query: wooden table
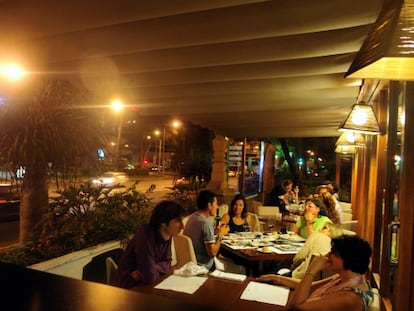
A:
252	259
215	293
26	289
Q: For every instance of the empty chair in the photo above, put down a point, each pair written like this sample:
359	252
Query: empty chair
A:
346	217
345	206
223	209
376	303
268	211
95	270
111	268
184	250
254	224
351	225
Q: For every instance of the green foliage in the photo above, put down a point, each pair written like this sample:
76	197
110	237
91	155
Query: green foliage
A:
80	217
186	196
194	155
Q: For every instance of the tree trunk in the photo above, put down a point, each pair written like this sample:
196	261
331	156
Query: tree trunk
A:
290	161
34	201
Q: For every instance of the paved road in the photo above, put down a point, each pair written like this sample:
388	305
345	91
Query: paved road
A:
9	231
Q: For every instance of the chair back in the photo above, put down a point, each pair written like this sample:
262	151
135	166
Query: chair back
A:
223	209
111	268
184	250
254	223
376	302
346	217
268	211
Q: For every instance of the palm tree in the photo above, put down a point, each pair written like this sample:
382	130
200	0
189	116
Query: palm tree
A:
50	129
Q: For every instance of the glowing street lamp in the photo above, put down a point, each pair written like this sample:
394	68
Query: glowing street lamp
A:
12	72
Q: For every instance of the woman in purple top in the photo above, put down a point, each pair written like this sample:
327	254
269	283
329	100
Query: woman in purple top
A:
148	254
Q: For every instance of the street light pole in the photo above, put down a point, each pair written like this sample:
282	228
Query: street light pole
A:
174	124
117	107
118	141
159	155
163	150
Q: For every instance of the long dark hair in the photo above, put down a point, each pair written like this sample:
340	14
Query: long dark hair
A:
332	213
323	211
236	198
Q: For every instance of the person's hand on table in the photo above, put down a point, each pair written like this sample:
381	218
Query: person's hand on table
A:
268	278
279	280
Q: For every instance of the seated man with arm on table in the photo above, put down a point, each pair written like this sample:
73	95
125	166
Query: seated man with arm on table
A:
200	229
148	254
346	290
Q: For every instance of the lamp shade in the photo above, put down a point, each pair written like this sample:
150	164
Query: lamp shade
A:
351	139
361	119
388	51
345	149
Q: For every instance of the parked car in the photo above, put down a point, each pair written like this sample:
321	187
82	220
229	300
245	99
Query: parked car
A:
110	179
9	202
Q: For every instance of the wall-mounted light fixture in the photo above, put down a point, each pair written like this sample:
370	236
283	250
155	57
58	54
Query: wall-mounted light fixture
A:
361	119
388	51
351	139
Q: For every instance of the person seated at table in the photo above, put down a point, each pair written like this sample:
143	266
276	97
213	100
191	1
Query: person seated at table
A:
313	219
238	219
291	194
148	255
200	229
331	211
325	189
346	290
319	242
284	194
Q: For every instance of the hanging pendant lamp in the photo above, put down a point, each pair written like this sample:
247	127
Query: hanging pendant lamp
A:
351	139
361	119
345	149
388	51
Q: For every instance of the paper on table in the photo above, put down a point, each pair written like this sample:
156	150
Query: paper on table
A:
187	284
261	292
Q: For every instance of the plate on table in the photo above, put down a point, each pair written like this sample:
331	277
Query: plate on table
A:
266	250
292	237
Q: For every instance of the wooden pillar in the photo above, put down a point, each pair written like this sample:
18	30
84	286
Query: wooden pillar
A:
404	286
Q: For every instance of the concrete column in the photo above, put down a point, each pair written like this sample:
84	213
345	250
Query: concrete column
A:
218	183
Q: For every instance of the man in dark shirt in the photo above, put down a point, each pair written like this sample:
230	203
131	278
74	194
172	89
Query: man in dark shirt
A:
148	254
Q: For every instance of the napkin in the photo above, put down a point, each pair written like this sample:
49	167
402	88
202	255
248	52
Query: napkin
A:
228	276
190	268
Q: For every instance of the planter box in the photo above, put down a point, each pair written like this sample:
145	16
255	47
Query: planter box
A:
71	265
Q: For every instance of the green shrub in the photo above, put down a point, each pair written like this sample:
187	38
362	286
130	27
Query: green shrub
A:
83	216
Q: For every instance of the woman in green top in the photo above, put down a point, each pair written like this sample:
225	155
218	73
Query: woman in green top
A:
314	218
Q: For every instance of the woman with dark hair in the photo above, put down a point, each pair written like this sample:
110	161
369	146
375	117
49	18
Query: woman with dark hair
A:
238	219
148	254
314	218
346	290
330	204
